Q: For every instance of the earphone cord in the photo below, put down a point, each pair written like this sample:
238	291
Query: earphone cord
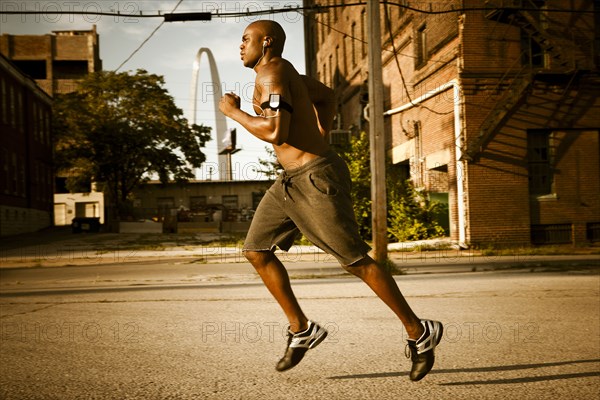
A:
262	114
261	57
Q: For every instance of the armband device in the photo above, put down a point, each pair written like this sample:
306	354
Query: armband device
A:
276	103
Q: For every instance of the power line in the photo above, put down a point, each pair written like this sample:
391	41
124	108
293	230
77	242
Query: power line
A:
147	39
389	28
314	18
305	11
310	9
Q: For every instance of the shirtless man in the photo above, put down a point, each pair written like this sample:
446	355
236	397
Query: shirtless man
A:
312	195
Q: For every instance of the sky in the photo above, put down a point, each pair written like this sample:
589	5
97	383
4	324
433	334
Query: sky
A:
171	51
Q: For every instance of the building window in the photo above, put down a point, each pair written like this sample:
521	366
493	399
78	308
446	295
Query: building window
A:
20	112
14	170
230	201
347	45
335	11
69	69
331	72
34	120
551	234
13	105
22	191
363	33
533	54
5	178
593	231
3	99
165	202
40	123
540	162
337	72
421	46
321	28
314	40
353	44
47	124
197	203
36	69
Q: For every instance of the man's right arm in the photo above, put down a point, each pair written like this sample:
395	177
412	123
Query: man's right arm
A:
324	102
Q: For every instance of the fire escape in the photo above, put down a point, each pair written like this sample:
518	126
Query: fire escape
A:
551	57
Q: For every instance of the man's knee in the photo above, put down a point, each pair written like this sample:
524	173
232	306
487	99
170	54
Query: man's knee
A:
355	270
258	258
362	267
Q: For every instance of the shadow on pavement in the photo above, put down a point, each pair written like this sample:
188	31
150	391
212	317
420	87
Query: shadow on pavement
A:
525	379
491	369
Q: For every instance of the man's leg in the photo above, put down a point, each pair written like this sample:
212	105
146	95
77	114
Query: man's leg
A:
424	335
276	279
384	286
303	334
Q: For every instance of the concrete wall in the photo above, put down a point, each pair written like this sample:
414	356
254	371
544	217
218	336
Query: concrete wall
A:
141	227
70	205
18	220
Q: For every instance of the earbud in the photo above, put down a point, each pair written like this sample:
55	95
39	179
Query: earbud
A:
265	43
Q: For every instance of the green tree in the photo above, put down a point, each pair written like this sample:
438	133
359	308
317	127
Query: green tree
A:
118	129
411	215
357	157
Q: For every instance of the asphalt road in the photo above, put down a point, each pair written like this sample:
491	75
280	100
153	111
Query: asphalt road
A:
204	331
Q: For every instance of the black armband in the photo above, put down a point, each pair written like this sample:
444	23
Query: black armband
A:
277	103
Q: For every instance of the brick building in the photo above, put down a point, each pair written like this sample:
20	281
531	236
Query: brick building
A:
494	108
26	179
56	61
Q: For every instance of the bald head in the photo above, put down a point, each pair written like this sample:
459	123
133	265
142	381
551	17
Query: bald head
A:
273	30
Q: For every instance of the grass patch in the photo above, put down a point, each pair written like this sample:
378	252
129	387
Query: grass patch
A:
391	267
547	250
424	247
230	240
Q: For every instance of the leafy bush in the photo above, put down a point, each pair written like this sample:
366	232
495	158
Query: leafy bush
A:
411	214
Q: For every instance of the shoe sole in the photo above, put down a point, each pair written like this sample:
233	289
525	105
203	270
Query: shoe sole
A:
312	344
318	340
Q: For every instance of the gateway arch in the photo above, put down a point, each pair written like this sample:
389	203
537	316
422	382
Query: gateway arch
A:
222	134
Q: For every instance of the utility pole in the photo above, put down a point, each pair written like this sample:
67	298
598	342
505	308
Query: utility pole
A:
376	133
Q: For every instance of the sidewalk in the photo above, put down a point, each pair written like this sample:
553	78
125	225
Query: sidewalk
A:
59	247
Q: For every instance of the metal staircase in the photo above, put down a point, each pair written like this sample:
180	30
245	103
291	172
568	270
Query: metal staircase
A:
516	94
563	56
565	48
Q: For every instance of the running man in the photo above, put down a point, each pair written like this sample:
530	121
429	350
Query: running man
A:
312	195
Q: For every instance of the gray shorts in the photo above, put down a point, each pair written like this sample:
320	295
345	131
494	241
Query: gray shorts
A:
313	199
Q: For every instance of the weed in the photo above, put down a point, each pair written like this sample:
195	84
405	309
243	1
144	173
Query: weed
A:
391	267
